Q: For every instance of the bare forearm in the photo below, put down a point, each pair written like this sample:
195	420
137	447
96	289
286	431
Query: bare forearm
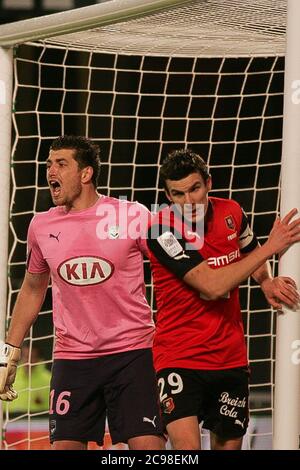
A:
262	273
217	282
231	276
27	306
214	283
26	310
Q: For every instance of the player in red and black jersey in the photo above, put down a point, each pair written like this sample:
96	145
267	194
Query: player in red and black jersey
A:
199	347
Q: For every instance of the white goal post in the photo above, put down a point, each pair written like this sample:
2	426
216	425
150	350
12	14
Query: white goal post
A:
189	30
287	373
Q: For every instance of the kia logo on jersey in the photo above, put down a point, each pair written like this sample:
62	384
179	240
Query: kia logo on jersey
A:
85	270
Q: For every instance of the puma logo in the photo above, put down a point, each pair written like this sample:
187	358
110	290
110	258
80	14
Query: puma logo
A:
54	236
148	420
192	234
179	257
240	423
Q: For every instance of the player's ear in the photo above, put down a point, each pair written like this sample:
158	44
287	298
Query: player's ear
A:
167	192
87	174
168	195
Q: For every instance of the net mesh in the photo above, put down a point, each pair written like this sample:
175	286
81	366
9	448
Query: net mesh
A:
140	99
200	27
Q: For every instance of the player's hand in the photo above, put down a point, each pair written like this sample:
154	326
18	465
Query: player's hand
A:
281	291
285	232
9	357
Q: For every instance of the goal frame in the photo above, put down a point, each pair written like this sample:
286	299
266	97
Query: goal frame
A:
286	418
286	432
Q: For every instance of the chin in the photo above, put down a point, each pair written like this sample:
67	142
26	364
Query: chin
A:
58	202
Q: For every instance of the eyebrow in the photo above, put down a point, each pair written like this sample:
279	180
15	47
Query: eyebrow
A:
56	160
178	191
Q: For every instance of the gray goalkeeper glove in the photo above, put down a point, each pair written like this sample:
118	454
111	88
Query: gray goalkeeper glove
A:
9	357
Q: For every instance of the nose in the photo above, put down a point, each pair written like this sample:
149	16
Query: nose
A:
188	198
51	171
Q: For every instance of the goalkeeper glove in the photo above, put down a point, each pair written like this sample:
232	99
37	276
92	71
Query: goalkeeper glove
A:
9	357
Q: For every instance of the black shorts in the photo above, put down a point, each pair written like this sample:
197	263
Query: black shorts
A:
121	387
219	398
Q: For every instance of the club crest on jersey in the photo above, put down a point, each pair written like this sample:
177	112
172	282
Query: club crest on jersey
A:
52	426
230	222
85	270
113	232
168	405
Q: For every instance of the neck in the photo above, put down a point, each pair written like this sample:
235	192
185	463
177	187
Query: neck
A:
84	202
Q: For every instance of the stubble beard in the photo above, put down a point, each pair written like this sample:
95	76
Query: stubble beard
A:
75	192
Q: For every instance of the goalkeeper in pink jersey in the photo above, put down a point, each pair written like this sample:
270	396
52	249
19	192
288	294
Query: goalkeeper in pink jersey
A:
92	246
199	347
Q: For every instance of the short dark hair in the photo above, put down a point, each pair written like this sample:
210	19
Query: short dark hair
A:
181	163
86	152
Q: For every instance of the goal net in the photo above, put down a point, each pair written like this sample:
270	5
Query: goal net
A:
207	75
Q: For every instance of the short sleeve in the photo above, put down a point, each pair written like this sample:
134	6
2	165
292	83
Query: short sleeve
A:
145	218
247	239
35	263
172	250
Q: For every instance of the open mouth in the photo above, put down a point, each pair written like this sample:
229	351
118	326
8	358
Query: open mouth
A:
55	188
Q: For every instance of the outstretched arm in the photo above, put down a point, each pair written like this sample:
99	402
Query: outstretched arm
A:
215	283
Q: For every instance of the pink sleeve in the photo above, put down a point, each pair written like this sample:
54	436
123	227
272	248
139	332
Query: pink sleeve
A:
145	221
35	261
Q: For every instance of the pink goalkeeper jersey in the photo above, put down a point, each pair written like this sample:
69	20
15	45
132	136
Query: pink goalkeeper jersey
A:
95	260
